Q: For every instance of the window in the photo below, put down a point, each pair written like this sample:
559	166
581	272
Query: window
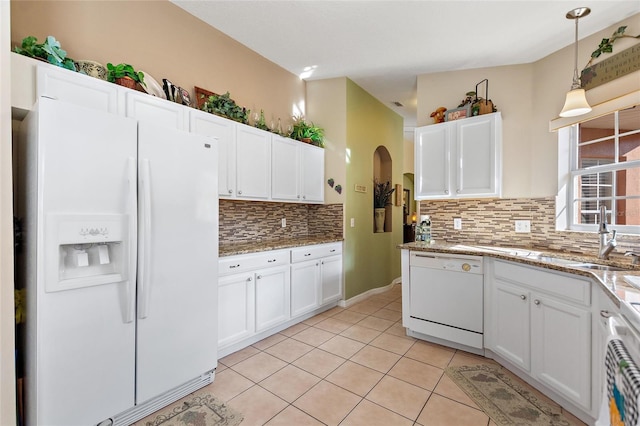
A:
605	170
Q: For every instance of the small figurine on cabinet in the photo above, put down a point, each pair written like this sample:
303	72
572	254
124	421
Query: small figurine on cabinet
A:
438	115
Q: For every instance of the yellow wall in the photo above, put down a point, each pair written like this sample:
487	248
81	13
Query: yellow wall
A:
528	96
359	124
165	41
371	259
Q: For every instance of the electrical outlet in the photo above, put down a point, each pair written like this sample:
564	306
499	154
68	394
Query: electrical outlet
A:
523	226
284	222
457	223
353	222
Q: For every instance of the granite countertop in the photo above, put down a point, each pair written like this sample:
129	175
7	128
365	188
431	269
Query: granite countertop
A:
232	249
617	287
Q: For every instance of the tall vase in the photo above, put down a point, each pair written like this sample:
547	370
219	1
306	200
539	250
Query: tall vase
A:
378	215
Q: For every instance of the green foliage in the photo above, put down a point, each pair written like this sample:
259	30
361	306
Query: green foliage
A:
51	51
124	70
382	193
303	130
225	106
606	45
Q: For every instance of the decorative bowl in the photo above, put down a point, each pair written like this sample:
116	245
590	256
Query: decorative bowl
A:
92	68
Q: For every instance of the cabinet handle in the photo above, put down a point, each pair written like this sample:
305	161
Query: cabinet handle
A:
298	196
307	254
231	191
234	266
605	314
271	260
249	279
425	255
332	250
239	192
457	191
322	262
537	302
259	277
446	191
317	264
523	297
304	197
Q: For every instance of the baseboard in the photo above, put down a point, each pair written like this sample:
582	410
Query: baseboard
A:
369	293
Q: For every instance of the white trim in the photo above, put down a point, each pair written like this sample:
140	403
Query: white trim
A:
7	322
362	296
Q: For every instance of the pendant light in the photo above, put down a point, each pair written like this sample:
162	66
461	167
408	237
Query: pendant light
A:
576	102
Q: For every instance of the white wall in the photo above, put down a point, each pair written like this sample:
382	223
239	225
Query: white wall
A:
7	369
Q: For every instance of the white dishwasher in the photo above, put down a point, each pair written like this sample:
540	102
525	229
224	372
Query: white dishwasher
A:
446	298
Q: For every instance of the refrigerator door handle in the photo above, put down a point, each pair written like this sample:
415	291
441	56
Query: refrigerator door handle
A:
145	256
133	238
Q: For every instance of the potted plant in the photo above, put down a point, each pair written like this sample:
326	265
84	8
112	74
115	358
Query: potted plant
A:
124	75
307	132
381	198
49	51
225	106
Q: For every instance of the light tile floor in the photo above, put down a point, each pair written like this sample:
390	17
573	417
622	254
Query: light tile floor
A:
352	366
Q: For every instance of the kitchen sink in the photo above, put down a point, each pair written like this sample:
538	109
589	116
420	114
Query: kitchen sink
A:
597	267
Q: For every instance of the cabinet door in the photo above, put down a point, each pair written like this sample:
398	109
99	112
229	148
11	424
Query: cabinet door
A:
77	89
205	124
561	348
236	308
156	110
432	157
510	323
272	297
331	278
253	163
478	156
305	278
312	173
285	169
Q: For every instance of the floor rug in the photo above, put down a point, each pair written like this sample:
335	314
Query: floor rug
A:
503	399
200	410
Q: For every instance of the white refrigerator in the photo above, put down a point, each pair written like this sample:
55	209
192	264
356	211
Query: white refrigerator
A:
121	249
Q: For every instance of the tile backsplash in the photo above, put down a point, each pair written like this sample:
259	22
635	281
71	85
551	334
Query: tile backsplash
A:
491	222
246	221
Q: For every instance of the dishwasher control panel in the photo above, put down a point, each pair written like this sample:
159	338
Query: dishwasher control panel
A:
443	261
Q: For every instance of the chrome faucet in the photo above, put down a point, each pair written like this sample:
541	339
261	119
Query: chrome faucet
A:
606	247
635	257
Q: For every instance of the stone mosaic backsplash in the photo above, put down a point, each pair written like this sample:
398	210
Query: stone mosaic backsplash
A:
491	222
246	221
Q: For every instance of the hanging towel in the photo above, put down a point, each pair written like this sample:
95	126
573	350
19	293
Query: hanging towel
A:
623	385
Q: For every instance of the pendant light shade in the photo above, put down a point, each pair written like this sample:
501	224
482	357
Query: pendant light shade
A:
576	101
575	104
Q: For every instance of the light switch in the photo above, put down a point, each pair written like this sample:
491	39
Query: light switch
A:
523	226
353	222
457	223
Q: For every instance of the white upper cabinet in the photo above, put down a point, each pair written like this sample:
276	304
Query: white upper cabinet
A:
459	158
205	124
285	169
297	171
77	89
253	173
156	110
312	173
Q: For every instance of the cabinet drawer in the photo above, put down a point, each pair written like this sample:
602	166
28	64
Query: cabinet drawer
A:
559	284
246	262
315	252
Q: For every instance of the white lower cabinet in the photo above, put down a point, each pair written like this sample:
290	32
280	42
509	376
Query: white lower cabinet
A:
305	287
541	322
272	297
263	293
236	308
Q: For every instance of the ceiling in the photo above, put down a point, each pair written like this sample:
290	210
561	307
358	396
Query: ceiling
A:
384	45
